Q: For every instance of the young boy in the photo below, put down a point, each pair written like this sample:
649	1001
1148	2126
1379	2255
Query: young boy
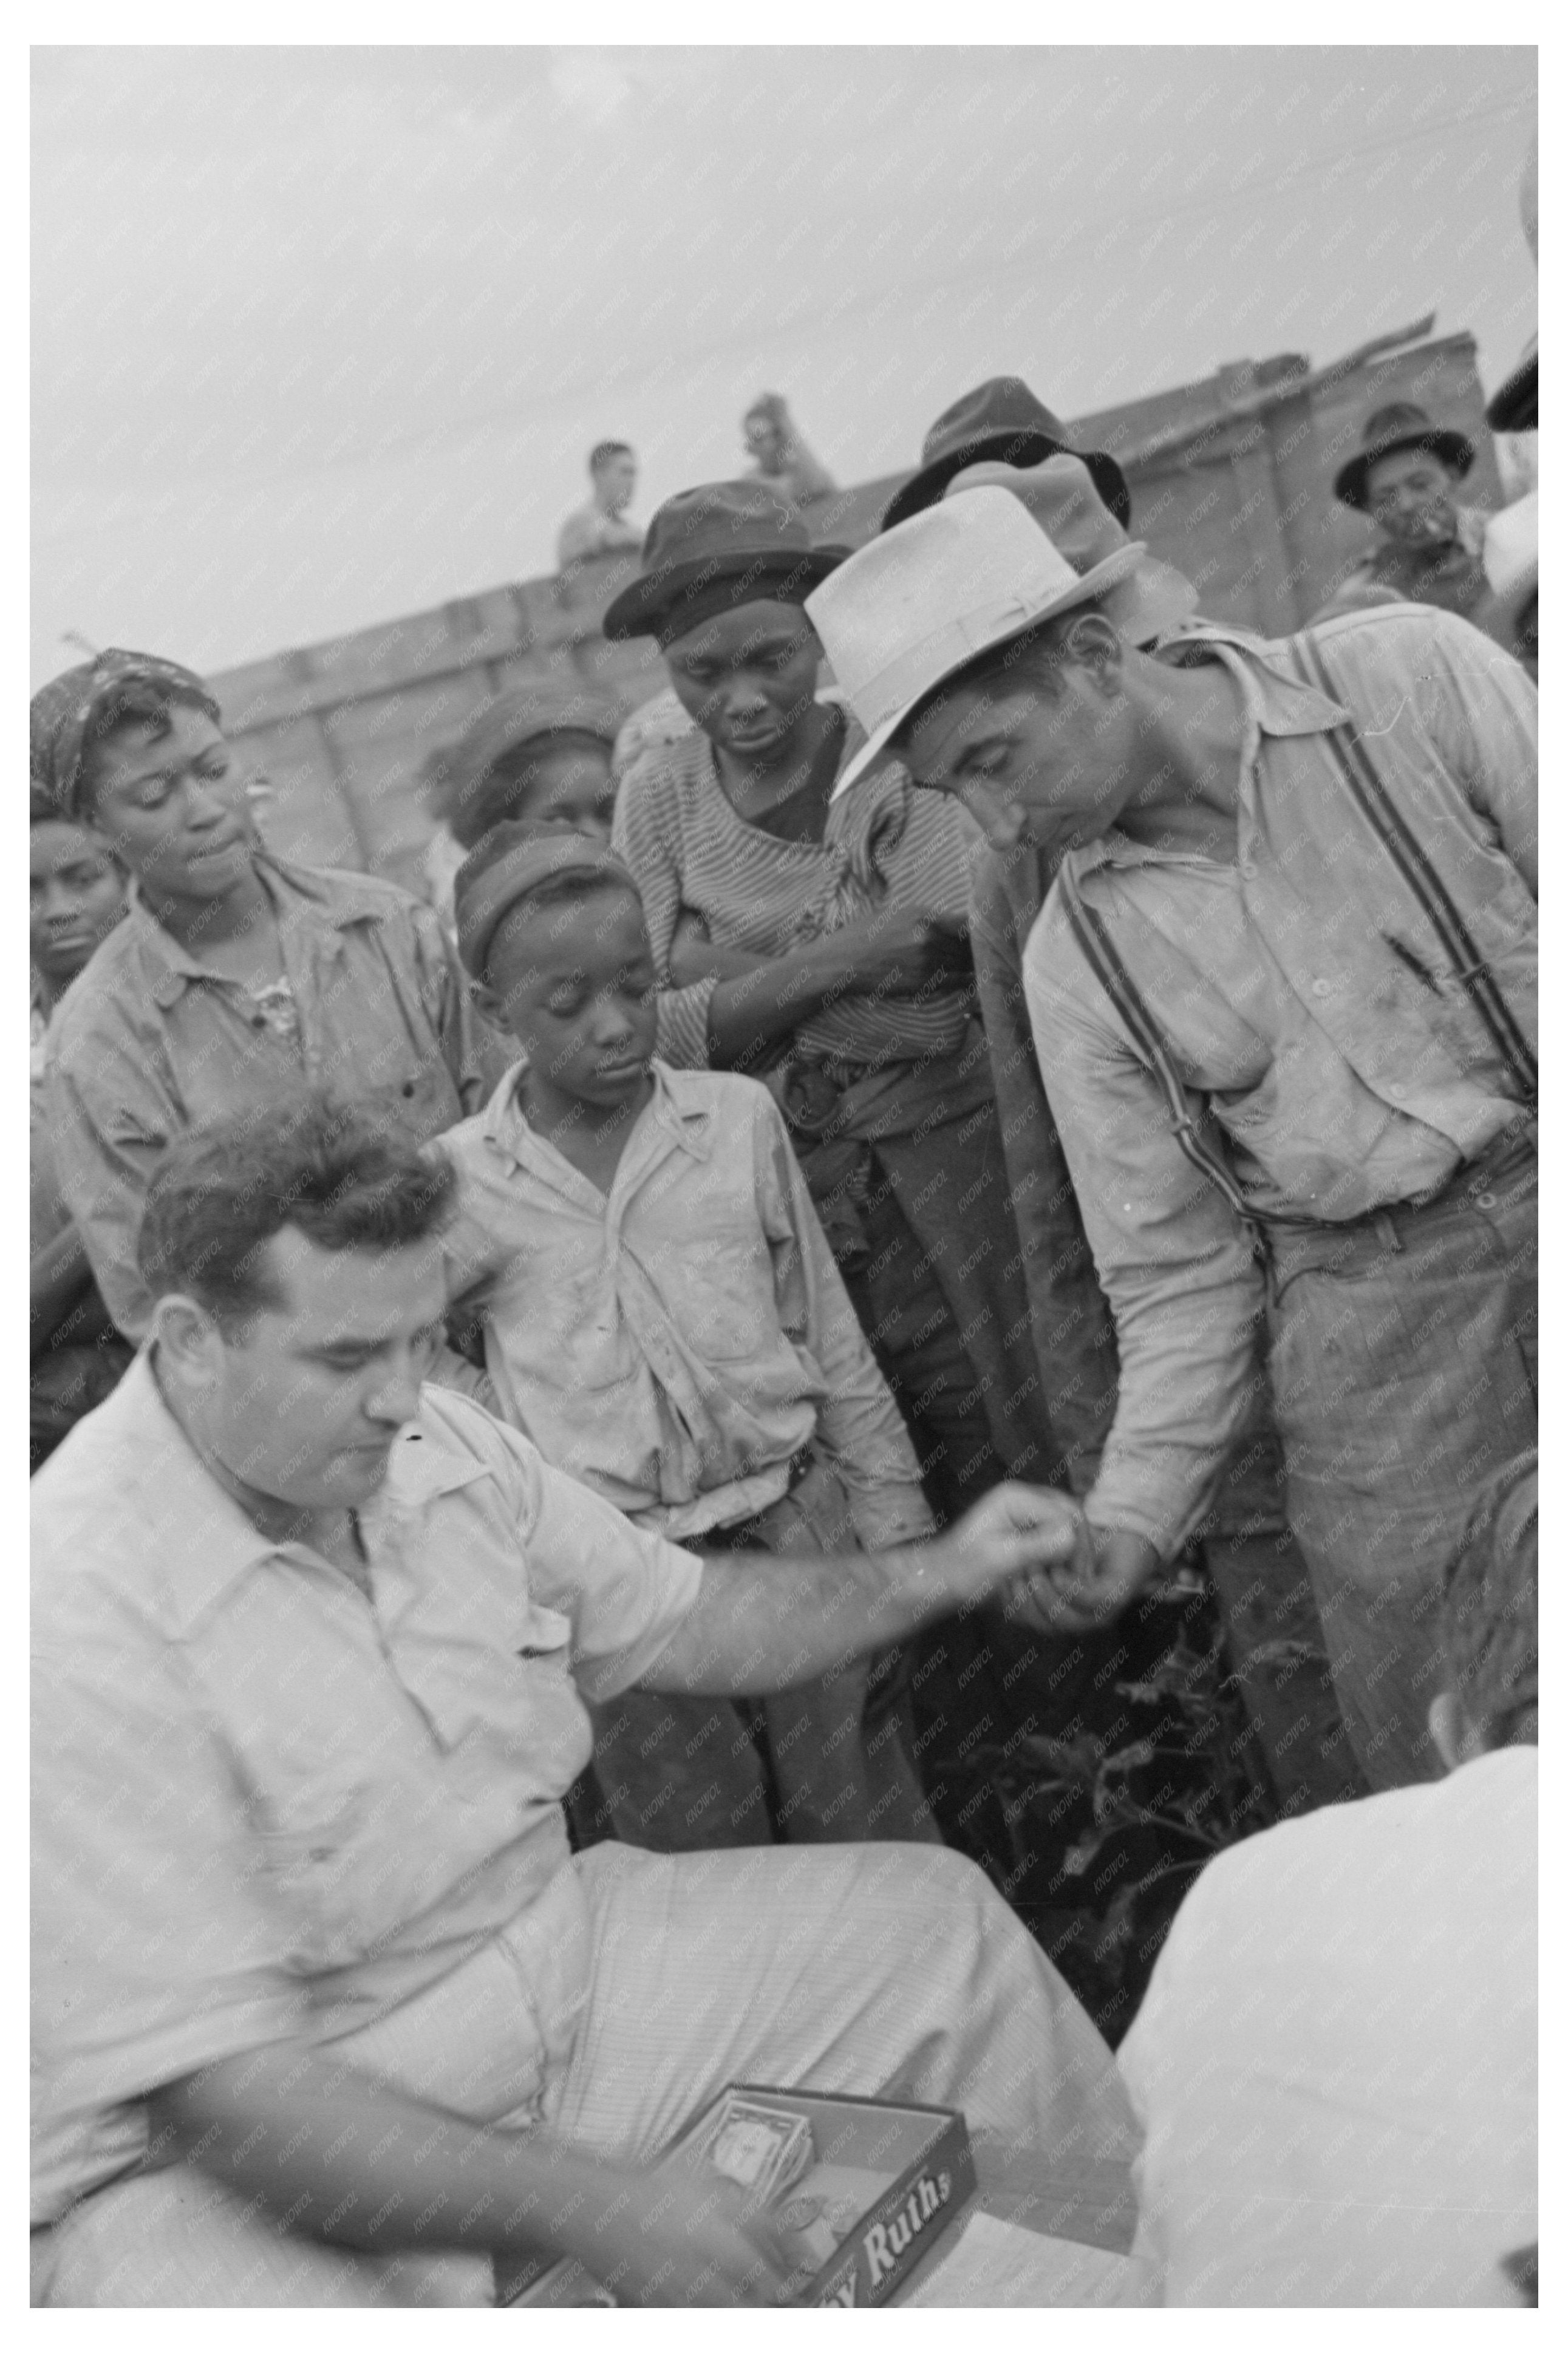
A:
662	1317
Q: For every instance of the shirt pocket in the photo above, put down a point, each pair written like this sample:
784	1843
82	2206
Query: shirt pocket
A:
720	1284
333	1860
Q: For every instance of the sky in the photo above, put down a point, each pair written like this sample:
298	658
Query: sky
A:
322	336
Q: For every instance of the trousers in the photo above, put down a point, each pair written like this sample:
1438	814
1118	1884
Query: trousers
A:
890	1970
828	1759
1403	1357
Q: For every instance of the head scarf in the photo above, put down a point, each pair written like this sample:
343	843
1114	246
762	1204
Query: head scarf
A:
65	716
510	861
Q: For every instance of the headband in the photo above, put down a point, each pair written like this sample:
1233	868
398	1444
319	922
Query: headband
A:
512	860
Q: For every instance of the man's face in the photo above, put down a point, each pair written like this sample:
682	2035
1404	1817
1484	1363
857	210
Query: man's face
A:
763	438
307	1398
575	987
615	480
173	806
76	895
1049	765
571	787
1410	496
746	676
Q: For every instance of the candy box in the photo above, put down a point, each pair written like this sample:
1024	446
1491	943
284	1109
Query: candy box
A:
859	2190
859	2198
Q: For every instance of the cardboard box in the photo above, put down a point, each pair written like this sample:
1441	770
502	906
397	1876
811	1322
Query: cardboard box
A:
886	2179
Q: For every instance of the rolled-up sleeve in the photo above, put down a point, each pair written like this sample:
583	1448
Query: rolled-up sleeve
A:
1172	1257
624	1590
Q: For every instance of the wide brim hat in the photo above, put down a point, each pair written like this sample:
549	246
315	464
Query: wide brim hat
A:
1399	426
920	603
710	549
1000	422
1064	501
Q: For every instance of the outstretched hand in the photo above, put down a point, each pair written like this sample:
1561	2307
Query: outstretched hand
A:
1034	1549
674	2235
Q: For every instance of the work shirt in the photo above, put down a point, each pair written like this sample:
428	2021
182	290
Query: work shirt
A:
589	531
885	843
266	1805
1451	575
676	1344
1306	1008
149	1042
1335	2063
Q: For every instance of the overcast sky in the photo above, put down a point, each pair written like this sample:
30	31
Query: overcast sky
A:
322	335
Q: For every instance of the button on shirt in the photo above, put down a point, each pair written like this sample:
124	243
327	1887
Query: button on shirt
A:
675	1344
148	1042
1308	1008
267	1805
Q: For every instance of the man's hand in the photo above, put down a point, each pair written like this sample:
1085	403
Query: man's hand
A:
672	2234
1108	1569
1017	1542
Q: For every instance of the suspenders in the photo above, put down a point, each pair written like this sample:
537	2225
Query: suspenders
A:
1370	795
1367	789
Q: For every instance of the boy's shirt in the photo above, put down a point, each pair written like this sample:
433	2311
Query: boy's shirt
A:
677	1344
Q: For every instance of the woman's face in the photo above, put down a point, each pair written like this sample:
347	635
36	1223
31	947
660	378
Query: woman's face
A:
747	677
76	895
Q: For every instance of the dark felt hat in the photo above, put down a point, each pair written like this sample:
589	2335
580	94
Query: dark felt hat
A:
1399	426
723	543
1000	420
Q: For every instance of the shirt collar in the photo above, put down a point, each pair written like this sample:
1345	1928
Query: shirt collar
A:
339	899
207	1540
682	1108
1276	704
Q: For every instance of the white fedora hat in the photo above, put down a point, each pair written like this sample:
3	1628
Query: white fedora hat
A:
919	602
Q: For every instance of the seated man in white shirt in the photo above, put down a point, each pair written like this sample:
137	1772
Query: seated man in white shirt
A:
326	2013
1335	2062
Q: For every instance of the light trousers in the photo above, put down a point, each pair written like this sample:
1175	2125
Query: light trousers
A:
872	1969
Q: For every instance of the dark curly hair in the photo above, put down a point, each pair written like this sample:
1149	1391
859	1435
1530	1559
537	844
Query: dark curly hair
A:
339	1175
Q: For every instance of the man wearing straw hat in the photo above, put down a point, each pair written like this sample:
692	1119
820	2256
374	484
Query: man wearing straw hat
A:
1282	992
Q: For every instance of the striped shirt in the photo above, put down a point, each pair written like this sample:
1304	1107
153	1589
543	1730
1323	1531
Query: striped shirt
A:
1309	1006
885	842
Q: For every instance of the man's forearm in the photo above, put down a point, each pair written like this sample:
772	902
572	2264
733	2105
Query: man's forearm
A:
362	2166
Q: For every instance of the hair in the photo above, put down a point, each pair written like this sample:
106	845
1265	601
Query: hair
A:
473	808
602	452
566	898
1037	655
1489	1609
221	1192
140	702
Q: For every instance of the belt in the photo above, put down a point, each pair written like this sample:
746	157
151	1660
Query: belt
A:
734	1536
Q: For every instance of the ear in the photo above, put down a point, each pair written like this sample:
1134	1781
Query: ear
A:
1095	643
489	1003
188	1338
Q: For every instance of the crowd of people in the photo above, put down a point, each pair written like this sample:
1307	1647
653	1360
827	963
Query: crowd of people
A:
837	1147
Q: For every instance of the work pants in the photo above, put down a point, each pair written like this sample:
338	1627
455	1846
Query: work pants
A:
826	1760
1403	1357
